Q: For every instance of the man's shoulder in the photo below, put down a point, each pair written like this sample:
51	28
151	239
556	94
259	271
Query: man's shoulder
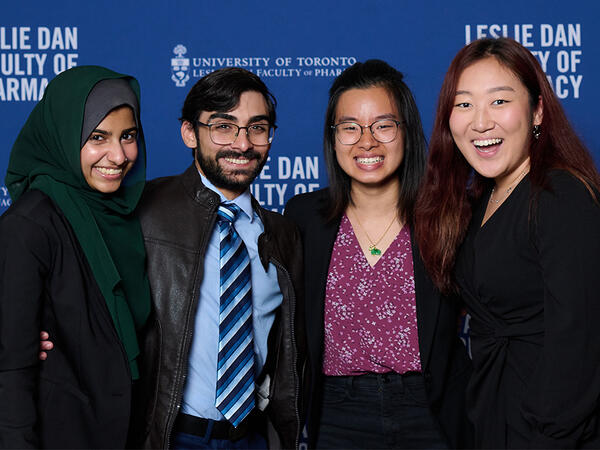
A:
177	210
158	195
164	193
157	185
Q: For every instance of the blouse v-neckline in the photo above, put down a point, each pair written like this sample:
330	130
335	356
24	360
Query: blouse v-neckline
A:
505	205
357	246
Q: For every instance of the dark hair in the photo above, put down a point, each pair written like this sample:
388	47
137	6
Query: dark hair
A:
221	90
376	73
443	208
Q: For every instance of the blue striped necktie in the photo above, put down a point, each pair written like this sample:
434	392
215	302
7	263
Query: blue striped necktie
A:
235	362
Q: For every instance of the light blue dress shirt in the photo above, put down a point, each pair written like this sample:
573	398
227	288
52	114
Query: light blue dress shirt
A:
201	382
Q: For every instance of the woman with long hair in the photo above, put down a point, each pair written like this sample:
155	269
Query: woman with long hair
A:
509	216
72	263
388	368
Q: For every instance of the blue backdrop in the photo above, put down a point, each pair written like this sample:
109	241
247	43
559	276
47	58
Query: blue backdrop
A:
297	48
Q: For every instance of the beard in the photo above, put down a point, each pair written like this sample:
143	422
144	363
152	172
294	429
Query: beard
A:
235	180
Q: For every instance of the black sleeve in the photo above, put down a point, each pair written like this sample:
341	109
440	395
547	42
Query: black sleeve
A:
24	268
565	386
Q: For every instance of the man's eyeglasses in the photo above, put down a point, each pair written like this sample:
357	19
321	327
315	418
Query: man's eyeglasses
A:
349	133
225	133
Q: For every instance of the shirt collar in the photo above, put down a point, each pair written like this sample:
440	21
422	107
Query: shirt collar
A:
244	200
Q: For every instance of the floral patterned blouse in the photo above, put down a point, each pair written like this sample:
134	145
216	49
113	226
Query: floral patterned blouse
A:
370	312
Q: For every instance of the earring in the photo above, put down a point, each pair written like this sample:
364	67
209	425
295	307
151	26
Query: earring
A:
537	131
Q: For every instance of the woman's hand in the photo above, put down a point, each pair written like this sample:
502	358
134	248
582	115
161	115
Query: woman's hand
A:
45	344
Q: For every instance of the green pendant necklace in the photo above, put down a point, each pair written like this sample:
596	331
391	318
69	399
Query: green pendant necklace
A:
374	250
373	247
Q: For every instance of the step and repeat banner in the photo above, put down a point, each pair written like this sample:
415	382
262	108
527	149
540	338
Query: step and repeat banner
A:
297	48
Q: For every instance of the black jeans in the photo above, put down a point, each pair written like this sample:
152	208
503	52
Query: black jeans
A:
377	411
184	441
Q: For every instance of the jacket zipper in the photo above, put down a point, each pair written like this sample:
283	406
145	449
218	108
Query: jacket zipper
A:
294	348
187	343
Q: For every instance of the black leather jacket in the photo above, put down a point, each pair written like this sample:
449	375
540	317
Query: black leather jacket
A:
178	215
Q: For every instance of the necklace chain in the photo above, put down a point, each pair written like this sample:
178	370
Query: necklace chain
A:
510	188
373	247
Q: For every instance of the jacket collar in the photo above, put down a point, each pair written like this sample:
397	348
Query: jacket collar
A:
193	186
244	200
207	198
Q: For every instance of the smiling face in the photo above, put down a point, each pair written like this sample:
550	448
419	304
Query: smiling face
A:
232	167
492	121
110	151
369	162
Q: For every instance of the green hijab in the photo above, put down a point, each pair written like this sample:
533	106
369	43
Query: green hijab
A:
46	156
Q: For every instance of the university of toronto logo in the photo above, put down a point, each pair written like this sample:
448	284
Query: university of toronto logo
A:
180	66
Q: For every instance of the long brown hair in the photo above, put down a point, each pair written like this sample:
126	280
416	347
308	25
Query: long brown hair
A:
443	208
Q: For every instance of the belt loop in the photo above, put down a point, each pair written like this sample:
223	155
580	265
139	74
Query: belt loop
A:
209	428
350	383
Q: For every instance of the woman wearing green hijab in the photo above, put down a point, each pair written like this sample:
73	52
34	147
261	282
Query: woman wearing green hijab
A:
72	263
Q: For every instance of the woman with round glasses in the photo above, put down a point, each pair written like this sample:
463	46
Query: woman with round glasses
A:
389	370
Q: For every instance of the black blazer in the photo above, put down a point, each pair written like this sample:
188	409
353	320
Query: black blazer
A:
80	397
445	364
